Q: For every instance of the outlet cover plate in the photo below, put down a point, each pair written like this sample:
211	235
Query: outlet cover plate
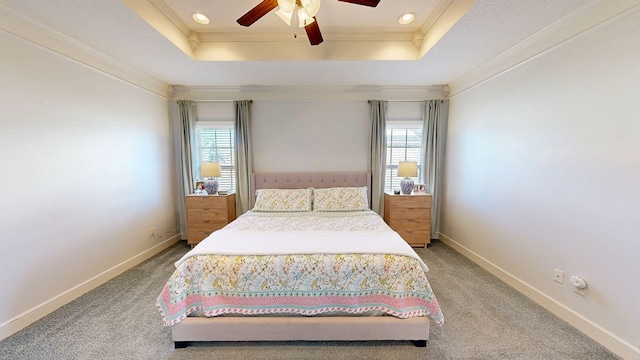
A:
558	276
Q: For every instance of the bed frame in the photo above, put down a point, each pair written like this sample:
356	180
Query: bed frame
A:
318	328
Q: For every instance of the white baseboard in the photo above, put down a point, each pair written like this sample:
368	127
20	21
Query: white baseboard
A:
30	316
609	340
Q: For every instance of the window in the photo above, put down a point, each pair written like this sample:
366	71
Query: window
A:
404	143
215	141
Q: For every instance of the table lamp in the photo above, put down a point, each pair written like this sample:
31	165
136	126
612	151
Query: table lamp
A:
210	171
407	170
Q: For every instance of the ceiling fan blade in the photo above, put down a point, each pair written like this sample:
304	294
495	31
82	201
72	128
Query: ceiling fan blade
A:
372	3
257	12
313	32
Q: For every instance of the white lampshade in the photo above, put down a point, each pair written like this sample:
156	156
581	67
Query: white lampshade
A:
285	12
311	7
210	169
303	18
306	11
286	16
408	169
287	5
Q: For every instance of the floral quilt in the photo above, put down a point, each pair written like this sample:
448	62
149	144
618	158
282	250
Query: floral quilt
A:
300	284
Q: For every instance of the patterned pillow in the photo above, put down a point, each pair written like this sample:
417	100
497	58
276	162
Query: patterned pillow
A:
341	199
285	200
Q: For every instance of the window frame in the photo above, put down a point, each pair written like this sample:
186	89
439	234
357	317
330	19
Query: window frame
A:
227	167
392	181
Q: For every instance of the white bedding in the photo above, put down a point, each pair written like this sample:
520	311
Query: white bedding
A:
237	242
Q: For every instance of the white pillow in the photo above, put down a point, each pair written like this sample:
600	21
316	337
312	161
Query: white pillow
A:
283	200
341	199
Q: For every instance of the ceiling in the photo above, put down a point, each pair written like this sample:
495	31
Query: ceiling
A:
353	32
158	37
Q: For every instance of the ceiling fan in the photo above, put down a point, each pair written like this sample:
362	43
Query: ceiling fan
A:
306	14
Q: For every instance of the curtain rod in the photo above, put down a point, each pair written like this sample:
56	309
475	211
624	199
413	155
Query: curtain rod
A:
251	101
398	101
408	101
214	101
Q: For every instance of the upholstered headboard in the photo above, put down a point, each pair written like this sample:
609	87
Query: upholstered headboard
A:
303	180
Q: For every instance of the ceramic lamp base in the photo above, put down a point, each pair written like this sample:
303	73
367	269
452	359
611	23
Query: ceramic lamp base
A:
406	185
211	185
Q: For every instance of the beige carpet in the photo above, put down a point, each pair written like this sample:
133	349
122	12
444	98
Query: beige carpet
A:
484	319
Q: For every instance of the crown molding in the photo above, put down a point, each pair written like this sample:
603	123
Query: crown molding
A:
166	11
308	93
287	47
168	26
443	19
287	36
591	16
36	33
435	15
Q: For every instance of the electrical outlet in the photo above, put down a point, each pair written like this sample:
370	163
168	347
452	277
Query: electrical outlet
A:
558	276
581	292
152	232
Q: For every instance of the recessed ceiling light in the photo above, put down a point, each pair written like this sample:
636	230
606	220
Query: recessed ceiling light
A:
406	18
200	18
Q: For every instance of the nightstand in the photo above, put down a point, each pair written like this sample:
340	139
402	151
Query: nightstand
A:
208	213
409	216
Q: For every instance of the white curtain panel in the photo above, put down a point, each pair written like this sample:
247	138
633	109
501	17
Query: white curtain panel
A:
187	122
244	155
434	134
378	153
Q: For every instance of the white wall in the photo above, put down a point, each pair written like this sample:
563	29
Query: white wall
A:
310	136
86	168
304	135
543	172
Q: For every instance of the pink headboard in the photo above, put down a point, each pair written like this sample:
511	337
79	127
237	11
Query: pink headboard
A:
303	180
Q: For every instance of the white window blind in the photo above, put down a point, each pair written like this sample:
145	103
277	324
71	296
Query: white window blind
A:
404	143
215	142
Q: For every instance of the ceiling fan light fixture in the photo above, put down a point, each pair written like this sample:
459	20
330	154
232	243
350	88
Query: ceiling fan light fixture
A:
406	18
287	5
311	7
200	18
285	16
303	18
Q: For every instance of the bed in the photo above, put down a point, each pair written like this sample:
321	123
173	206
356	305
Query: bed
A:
309	262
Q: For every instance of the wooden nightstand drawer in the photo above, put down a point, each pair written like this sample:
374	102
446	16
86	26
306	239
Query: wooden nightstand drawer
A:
199	215
207	225
411	201
195	237
206	214
207	202
410	217
410	224
408	214
415	237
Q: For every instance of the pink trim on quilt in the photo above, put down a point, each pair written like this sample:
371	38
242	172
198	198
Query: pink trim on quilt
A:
173	313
